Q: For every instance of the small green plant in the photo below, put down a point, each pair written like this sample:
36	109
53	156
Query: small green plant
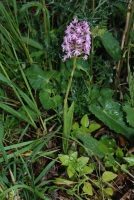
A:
75	166
79	171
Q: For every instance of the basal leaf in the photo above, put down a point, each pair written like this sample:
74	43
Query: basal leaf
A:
68	120
93	146
111	45
109	112
130	114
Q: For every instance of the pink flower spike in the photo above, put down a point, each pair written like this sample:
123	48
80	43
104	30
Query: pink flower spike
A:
77	40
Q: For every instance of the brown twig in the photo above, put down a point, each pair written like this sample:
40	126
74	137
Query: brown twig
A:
125	40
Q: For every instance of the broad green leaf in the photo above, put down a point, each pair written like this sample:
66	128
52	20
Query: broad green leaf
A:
64	159
94	94
130	114
47	101
87	188
93	127
130	160
37	77
67	159
109	112
82	65
93	146
106	93
61	181
81	162
85	121
108	176
111	143
71	170
111	45
109	191
87	170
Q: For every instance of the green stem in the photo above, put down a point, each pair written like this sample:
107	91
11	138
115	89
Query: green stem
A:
68	113
93	6
44	15
91	57
70	81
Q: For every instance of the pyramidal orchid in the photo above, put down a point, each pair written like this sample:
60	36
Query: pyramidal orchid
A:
77	40
76	43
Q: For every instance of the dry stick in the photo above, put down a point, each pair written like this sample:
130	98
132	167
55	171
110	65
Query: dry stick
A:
124	42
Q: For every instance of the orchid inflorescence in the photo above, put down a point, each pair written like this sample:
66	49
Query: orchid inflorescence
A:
77	40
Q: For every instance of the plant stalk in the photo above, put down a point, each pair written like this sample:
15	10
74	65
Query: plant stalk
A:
44	16
70	81
68	113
